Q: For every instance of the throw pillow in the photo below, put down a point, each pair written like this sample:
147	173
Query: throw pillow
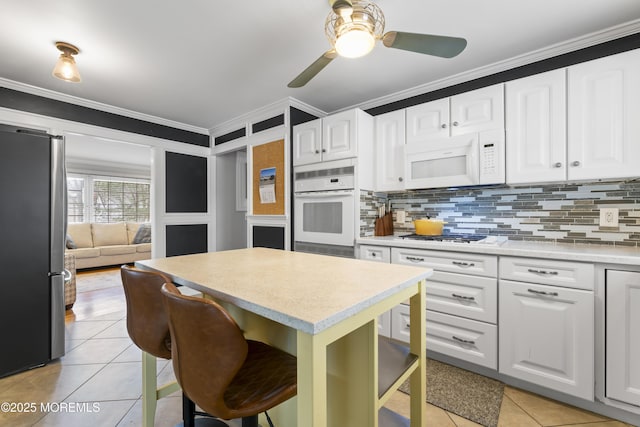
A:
143	235
70	244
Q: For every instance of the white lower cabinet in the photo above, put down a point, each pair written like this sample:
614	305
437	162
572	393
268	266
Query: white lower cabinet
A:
535	323
375	253
623	336
462	295
461	304
546	336
464	339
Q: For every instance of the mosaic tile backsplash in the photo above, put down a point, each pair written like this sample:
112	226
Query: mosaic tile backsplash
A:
566	213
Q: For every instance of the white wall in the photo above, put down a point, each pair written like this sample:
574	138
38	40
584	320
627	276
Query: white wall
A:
231	229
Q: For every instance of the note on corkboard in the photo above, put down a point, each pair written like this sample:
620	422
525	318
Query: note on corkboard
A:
267	156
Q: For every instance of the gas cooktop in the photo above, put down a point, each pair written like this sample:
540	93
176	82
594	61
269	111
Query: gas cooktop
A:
456	238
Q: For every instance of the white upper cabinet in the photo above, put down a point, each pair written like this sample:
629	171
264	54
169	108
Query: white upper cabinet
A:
478	110
339	136
307	142
474	111
536	128
390	141
603	118
330	138
428	121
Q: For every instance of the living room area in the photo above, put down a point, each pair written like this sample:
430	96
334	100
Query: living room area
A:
108	213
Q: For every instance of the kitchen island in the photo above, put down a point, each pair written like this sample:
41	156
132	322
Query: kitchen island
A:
324	310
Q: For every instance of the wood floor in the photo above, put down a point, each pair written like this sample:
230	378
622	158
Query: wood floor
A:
95	303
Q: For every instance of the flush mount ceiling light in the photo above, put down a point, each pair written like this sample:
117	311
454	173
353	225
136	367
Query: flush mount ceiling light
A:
66	68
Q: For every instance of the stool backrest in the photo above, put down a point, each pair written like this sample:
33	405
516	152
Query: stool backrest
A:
147	321
208	348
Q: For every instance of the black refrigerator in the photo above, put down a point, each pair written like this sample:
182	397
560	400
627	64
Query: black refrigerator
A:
32	239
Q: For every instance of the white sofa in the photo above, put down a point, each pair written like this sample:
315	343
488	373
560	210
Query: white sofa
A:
97	245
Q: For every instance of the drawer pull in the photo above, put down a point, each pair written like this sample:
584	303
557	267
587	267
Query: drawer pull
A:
463	297
415	259
463	264
551	273
455	338
551	294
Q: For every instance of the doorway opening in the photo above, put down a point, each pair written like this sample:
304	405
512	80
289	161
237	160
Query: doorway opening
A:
231	200
109	203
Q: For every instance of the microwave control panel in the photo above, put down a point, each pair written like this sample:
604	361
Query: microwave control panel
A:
492	157
489	159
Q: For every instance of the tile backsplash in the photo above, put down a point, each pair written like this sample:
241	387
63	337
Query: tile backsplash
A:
566	213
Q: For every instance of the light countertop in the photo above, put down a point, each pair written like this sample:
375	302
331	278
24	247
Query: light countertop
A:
304	291
604	254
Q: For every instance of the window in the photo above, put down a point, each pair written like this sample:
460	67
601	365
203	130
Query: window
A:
112	199
75	199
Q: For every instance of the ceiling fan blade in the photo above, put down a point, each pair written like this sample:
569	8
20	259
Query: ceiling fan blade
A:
313	69
429	44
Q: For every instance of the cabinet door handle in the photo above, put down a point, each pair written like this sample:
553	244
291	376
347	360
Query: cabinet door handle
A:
324	150
550	294
557	165
317	151
462	264
463	297
455	123
408	325
576	163
415	259
400	178
455	338
444	126
549	273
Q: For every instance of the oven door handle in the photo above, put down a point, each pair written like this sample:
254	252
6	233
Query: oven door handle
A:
323	194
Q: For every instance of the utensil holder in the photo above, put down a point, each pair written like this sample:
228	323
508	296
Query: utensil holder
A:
384	225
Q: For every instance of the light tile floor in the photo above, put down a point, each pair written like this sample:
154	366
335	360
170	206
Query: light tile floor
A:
103	368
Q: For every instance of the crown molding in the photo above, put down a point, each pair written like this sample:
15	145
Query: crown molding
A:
262	113
58	96
302	106
557	49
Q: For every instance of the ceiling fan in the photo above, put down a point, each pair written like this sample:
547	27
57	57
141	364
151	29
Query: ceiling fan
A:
353	27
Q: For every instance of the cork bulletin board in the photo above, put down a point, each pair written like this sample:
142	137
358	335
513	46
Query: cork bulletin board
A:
267	156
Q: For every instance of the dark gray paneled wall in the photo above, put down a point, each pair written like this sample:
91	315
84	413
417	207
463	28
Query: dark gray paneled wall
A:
22	101
186	239
567	213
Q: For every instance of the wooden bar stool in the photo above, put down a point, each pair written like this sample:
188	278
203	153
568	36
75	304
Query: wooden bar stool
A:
148	328
218	369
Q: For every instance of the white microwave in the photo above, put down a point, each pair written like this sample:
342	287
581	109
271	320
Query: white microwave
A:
470	159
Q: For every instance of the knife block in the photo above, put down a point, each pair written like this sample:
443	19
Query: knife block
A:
384	225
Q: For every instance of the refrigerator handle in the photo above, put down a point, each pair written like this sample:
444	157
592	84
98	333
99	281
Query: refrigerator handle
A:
58	204
57	316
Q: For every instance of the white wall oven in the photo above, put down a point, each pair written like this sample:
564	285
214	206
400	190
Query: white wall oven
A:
325	210
470	159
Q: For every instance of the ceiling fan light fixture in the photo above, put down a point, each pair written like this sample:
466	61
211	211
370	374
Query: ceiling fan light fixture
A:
353	31
66	68
355	43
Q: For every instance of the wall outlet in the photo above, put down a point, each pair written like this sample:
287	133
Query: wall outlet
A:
609	217
400	216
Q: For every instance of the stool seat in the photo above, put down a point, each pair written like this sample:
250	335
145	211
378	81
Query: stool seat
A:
266	374
218	369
